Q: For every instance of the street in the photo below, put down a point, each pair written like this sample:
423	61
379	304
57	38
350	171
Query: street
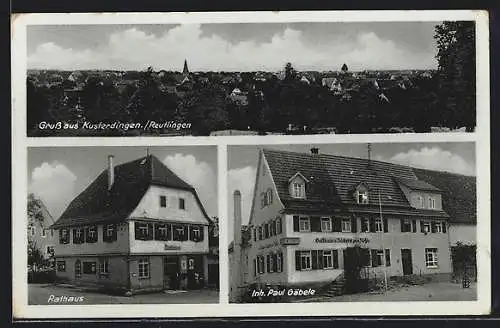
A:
39	294
443	291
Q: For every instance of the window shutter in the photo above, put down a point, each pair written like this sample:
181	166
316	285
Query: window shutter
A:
281	260
374	258
314	259
191	233
275	262
444	227
279	228
115	232
262	200
137	231
320	259
386	225
255	266
315	224
157	232
186	232
270	196
387	257
335	255
202	229
75	241
413	225
254	234
354	225
297	260
401	222
421	226
372	225
433	227
86	234
150	232
296	223
268	263
337	224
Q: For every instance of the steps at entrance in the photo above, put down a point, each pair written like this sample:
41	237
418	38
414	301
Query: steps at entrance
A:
336	288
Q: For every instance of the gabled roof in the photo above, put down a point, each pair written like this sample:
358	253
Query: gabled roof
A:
332	177
458	194
96	204
417	184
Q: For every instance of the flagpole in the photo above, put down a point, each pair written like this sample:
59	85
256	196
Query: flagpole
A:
382	241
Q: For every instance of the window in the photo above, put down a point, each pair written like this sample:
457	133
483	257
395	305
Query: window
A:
89	268
143	231
64	236
432	203
279	264
406	225
61	266
163	201
278	226
143	268
260	232
195	231
109	233
326	224
78	268
266	230
78	236
182	204
268	197
346	225
305	260
260	264
425	226
377	257
437	227
431	257
262	200
378	225
272	228
387	257
32	230
104	266
327	260
362	196
51	232
44	232
304	225
91	234
179	233
270	263
298	190
365	225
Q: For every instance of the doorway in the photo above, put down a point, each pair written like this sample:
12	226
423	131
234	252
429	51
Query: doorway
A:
406	261
194	272
171	272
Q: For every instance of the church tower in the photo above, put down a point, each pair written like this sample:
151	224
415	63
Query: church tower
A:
185	70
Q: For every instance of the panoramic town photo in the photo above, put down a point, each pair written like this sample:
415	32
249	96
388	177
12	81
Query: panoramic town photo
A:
251	78
121	225
352	222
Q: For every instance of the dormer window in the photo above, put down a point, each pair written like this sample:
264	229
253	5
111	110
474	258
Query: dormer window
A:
362	196
298	186
432	203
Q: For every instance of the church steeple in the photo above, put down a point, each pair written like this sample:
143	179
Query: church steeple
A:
185	70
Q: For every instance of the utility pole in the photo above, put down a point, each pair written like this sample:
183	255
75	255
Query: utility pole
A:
382	242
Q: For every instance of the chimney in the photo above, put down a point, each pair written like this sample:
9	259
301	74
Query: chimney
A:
315	151
369	148
237	236
111	172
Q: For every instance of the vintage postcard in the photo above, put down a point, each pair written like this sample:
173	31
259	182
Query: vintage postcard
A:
202	164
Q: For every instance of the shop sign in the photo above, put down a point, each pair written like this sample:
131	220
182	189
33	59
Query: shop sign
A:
172	247
269	245
345	240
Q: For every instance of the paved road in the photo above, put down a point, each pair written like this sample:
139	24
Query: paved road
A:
443	291
39	294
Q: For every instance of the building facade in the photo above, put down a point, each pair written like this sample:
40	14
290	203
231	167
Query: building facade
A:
309	208
138	227
40	235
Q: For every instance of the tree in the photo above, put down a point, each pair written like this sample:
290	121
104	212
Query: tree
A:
35	256
344	68
457	72
37	104
290	72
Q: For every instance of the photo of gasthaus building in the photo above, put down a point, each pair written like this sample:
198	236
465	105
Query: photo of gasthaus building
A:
323	225
136	228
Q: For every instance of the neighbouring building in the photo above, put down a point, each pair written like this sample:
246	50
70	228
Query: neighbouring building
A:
40	235
308	208
137	227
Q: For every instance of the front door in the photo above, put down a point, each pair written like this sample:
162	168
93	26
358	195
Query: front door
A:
406	261
171	272
194	271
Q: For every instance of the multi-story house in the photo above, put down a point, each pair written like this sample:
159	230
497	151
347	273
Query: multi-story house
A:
308	208
137	227
40	235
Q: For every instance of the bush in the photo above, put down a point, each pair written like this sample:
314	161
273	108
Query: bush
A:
41	277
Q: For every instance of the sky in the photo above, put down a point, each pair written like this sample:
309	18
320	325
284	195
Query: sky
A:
58	174
457	157
234	46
